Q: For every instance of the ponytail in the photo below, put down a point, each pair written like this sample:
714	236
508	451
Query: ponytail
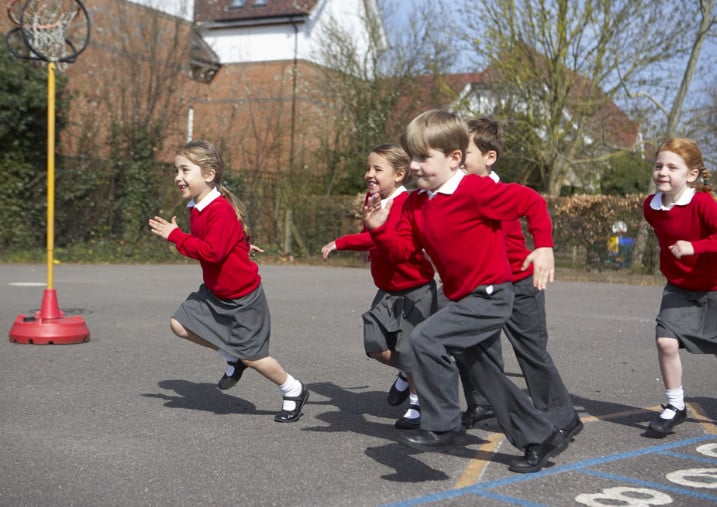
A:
239	208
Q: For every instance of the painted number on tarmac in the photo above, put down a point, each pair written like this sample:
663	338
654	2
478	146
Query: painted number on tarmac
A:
708	450
643	497
633	497
695	477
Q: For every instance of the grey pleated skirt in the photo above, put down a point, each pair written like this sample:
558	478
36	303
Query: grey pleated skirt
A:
241	326
690	317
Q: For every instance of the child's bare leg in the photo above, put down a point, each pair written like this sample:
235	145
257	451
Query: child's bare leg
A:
291	389
269	368
670	364
675	412
411	385
384	357
185	333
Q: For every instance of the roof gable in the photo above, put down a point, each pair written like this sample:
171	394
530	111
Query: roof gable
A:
208	11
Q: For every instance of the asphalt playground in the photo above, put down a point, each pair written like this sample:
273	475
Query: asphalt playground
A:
132	417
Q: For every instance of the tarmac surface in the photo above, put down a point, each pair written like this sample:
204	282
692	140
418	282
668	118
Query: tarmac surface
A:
132	417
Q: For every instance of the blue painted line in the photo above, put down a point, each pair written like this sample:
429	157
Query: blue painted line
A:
653	485
692	457
510	500
483	489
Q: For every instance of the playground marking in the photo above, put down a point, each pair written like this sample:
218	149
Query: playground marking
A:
478	464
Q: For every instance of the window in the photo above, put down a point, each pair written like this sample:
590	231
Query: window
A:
237	3
260	3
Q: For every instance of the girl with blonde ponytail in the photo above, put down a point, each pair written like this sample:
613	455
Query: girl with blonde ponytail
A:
228	312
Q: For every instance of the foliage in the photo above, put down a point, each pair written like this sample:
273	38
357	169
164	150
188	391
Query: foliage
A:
558	67
583	224
23	153
627	173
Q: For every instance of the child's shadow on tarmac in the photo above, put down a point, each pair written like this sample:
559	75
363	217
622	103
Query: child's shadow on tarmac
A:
195	396
352	408
630	416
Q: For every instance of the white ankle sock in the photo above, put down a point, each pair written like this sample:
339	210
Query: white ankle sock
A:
676	398
412	413
291	387
401	384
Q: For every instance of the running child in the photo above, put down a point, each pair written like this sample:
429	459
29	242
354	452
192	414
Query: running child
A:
406	290
456	218
683	214
228	312
526	328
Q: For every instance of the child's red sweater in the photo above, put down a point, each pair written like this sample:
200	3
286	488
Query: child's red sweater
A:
218	242
696	222
462	231
390	276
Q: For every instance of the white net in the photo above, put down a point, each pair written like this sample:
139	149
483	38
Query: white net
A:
51	28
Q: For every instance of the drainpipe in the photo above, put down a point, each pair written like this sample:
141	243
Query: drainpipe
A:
190	122
293	94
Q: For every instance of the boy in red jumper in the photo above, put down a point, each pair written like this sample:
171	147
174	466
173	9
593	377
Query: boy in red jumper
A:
457	218
526	329
406	291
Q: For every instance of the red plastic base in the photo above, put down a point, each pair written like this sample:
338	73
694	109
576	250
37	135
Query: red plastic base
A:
49	325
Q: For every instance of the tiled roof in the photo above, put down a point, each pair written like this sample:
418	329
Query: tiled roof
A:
234	10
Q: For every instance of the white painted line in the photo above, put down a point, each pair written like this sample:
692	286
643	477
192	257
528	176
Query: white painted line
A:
27	284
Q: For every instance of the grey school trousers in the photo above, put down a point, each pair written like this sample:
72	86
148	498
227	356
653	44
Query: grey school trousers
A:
527	331
471	327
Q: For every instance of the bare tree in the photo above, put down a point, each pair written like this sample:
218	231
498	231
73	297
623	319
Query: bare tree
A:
708	20
557	68
136	107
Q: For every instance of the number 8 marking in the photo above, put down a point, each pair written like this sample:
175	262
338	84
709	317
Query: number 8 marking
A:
633	497
695	477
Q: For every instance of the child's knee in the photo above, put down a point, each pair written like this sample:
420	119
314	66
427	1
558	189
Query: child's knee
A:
668	345
177	328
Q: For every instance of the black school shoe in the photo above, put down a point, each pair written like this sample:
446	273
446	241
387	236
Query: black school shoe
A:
475	414
396	397
431	440
228	381
286	416
573	428
404	423
660	425
537	454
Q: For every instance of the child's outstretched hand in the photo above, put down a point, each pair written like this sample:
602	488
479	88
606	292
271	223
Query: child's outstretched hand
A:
543	266
374	215
327	249
161	227
682	248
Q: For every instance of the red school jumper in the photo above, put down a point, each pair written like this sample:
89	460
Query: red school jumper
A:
218	242
462	232
390	276
692	220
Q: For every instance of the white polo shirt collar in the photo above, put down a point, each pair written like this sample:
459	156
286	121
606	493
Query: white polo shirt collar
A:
213	194
685	199
449	187
395	193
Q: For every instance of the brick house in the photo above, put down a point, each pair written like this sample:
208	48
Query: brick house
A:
241	74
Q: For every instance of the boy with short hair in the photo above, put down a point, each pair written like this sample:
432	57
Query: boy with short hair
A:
456	218
526	328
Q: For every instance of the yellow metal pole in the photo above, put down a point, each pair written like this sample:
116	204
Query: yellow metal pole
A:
50	172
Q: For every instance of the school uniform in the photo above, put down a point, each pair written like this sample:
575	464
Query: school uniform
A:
406	290
527	332
460	227
229	309
688	311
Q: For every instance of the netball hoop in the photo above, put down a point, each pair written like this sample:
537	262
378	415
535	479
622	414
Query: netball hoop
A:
56	32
